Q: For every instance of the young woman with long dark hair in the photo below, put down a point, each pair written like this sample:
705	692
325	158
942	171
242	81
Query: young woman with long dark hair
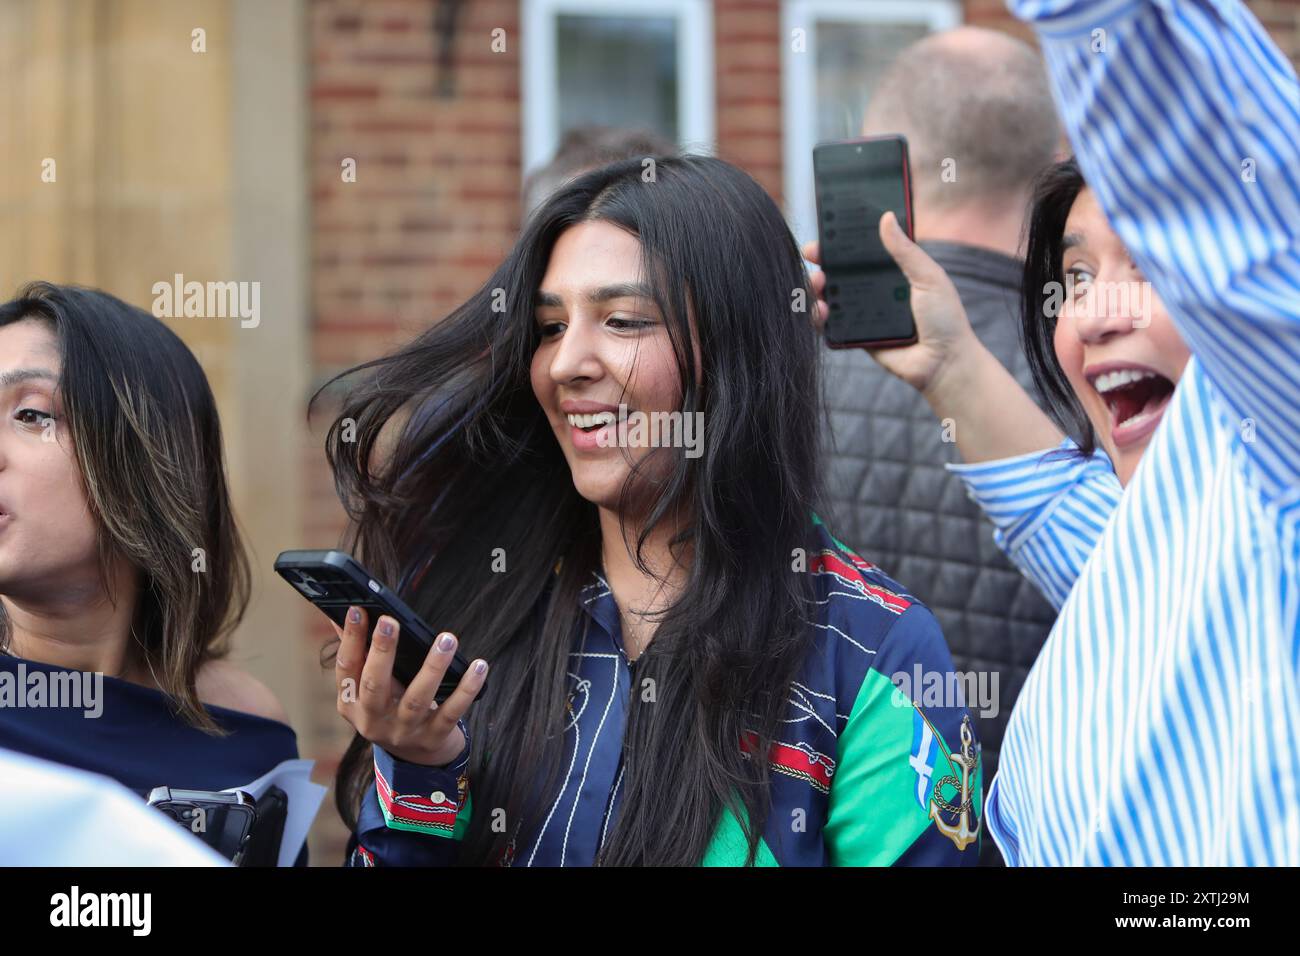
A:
121	567
686	667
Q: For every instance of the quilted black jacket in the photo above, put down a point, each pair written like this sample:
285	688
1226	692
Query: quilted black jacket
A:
892	500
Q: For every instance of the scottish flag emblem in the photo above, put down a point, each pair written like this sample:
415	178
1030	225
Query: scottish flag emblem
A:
925	750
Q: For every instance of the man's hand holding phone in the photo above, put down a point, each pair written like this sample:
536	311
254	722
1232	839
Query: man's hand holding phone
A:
405	722
944	334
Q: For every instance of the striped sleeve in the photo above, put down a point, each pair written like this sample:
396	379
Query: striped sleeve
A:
413	815
1048	509
1186	121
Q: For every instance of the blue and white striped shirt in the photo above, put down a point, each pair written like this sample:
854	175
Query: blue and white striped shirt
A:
1159	725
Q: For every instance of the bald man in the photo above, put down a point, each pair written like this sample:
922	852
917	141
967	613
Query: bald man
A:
978	116
980	125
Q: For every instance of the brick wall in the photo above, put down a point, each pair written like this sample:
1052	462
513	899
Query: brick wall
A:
1282	20
435	204
432	210
747	66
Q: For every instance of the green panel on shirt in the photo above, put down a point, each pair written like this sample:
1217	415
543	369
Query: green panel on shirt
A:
873	815
728	846
462	818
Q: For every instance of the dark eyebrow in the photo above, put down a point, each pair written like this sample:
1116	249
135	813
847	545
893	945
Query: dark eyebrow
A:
1072	239
19	375
619	290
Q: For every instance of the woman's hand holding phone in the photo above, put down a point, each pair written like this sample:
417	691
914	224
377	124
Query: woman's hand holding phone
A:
944	334
961	380
406	723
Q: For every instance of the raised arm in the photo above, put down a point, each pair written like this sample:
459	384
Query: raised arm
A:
1048	510
1186	121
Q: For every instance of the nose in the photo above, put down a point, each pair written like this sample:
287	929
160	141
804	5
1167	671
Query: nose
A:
576	356
1110	307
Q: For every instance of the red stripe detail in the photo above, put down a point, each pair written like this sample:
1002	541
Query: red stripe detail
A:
817	766
425	812
860	562
828	561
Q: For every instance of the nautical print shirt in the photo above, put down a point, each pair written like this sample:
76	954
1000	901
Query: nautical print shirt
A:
860	776
1159	724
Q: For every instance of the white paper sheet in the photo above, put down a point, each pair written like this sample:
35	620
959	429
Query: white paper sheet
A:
293	777
56	816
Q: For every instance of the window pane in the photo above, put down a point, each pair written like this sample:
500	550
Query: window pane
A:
618	71
850	58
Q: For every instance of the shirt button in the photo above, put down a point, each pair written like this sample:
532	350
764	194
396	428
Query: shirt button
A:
438	796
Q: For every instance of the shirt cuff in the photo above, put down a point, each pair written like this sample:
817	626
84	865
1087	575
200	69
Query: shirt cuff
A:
419	798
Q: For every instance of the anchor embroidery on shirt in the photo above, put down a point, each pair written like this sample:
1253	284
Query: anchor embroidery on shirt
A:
959	832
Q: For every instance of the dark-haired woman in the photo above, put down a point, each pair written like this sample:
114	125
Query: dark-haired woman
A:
121	569
1158	726
686	667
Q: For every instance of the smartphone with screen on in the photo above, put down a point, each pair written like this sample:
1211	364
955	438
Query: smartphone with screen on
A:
334	581
856	181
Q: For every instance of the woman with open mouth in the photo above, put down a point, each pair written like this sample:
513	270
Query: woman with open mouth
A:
686	666
122	571
1158	725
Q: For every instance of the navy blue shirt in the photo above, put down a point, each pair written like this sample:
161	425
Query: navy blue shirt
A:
860	775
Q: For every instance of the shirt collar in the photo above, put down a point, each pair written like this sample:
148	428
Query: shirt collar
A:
597	599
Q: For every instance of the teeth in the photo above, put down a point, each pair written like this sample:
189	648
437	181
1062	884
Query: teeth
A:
587	421
1113	380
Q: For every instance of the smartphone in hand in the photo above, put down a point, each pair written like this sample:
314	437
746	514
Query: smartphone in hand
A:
856	182
334	581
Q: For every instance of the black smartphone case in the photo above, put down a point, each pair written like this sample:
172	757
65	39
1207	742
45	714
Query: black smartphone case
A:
863	297
334	581
230	841
263	847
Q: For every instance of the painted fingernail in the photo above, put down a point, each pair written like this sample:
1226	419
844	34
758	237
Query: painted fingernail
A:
446	642
480	667
385	628
354	615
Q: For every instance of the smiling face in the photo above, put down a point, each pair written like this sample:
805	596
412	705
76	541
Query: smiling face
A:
603	342
1116	343
47	533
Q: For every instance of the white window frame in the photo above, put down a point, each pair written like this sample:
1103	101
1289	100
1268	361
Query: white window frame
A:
798	84
539	72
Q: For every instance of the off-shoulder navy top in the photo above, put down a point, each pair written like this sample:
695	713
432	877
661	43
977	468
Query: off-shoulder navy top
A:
136	739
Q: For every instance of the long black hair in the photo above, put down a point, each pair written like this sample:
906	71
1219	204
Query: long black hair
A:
1054	194
475	467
